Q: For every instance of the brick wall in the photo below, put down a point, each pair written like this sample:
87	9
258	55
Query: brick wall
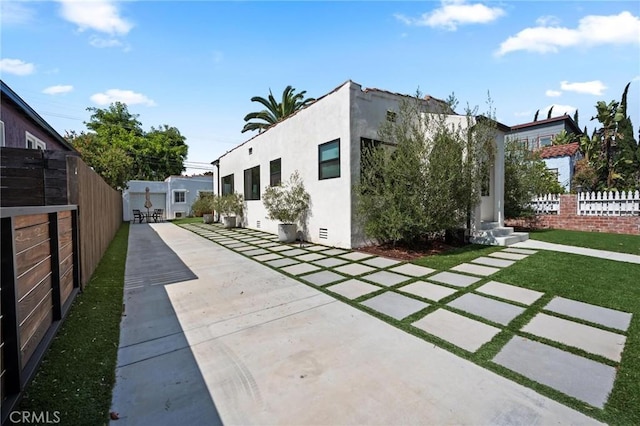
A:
569	219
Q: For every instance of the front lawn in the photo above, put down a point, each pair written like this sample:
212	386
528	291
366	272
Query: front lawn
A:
612	242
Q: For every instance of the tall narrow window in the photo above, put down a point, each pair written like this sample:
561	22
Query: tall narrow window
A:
252	183
329	160
227	185
275	172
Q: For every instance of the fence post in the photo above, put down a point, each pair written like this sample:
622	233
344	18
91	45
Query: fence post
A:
54	249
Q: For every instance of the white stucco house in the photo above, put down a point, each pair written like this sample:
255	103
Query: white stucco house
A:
174	195
323	142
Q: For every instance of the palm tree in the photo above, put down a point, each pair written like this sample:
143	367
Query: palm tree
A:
276	111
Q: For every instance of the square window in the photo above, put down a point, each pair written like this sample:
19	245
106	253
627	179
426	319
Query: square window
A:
227	185
329	160
275	172
33	142
252	183
544	141
180	196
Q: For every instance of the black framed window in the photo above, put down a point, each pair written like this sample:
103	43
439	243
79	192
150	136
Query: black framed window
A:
252	183
329	160
275	172
227	185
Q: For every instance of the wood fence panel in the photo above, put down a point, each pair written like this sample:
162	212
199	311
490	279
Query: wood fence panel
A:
27	282
100	214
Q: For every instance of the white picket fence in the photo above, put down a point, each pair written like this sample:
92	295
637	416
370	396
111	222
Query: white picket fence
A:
546	204
609	203
625	203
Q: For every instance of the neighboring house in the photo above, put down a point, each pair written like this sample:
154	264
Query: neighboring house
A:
561	159
323	142
22	127
538	135
174	195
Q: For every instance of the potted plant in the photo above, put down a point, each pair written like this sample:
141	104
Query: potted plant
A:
205	206
287	203
231	207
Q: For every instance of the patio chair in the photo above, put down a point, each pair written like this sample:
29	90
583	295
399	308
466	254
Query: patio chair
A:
158	215
137	215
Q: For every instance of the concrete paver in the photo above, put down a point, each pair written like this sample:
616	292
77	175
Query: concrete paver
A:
492	261
268	256
333	252
470	268
354	269
244	249
294	252
590	339
463	332
510	292
329	262
380	262
394	305
493	310
310	257
511	249
355	256
596	314
428	290
300	268
315	248
458	280
385	278
280	248
412	270
509	256
579	377
353	288
256	252
279	263
323	277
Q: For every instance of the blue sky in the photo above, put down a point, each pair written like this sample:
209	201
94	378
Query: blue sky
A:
195	65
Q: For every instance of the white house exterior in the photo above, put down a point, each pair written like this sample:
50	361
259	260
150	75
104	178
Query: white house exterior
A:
323	142
174	195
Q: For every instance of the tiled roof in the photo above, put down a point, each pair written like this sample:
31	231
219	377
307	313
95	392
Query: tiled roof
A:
559	150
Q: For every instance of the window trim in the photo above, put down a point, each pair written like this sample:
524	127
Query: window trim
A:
333	160
272	174
37	142
180	191
550	136
249	195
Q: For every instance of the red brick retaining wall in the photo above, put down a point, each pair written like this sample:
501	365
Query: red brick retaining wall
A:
570	220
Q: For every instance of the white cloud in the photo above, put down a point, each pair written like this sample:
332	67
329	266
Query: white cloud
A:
128	97
636	78
522	113
545	21
98	15
558	110
592	30
59	89
15	13
453	13
595	87
553	93
16	66
98	42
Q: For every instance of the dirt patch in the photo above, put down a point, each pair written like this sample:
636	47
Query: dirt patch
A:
408	253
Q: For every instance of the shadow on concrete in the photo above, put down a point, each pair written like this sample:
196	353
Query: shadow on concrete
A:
158	380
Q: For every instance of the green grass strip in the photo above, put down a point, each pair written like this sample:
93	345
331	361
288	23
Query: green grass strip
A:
77	375
595	240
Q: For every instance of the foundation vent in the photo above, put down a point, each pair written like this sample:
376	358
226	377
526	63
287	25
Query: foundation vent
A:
258	224
324	233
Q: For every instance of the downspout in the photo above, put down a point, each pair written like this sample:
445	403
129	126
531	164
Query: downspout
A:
216	163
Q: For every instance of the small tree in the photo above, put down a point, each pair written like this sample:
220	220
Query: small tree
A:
231	204
288	202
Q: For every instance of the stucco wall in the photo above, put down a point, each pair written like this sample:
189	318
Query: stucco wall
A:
296	142
563	164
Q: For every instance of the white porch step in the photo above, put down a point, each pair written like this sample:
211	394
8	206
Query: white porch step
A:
515	237
491	233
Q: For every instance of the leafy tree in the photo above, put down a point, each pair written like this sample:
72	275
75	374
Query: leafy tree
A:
421	179
525	176
563	138
119	150
628	150
275	111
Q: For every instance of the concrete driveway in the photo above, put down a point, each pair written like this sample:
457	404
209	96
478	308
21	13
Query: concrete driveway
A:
212	337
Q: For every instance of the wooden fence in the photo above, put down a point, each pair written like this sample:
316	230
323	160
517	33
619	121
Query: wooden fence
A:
57	222
40	278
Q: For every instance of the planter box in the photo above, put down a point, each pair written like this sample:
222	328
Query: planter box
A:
287	232
229	221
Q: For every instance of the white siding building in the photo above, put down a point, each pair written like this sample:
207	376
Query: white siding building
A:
323	142
174	195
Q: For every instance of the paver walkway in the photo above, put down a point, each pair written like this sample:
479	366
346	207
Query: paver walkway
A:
461	306
238	341
603	254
